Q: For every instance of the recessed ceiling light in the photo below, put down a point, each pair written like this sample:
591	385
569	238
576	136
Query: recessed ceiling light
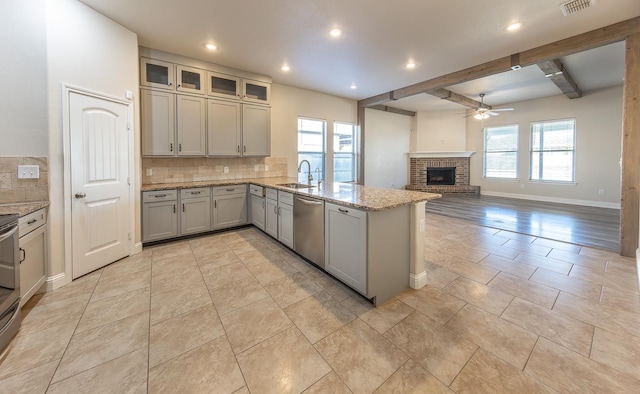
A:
211	47
411	64
335	32
354	86
285	68
514	26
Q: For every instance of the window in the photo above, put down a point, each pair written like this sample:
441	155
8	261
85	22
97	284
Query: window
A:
311	147
553	150
344	153
501	152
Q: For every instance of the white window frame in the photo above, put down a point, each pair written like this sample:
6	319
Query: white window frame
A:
323	153
485	132
573	151
353	153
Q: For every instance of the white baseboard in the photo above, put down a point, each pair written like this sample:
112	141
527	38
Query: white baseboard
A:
137	248
586	203
417	281
638	266
56	281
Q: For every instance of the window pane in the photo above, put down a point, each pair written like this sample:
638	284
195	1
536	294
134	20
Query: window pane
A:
501	165
343	140
501	138
501	152
310	135
317	162
343	167
344	163
552	166
553	151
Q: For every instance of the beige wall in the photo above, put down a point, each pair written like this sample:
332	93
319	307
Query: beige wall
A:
287	104
23	102
89	51
444	131
598	117
387	137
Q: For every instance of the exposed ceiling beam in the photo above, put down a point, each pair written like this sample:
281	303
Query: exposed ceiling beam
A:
457	98
393	110
582	42
558	74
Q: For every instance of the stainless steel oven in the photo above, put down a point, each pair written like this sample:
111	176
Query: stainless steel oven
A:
9	279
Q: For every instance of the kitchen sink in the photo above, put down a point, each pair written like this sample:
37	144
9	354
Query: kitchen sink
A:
295	185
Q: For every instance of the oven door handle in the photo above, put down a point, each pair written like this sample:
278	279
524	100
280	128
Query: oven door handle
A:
8	233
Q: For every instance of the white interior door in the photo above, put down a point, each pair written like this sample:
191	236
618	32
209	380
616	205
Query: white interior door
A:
100	207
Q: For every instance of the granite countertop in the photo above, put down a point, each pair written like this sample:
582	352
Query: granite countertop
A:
365	197
22	209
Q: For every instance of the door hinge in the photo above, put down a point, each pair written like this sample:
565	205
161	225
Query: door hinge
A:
129	235
128	181
128	126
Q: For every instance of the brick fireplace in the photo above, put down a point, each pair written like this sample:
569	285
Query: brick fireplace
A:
460	161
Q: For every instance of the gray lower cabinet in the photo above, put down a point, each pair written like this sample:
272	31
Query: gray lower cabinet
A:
285	218
229	206
33	258
258	206
346	245
271	213
159	215
195	215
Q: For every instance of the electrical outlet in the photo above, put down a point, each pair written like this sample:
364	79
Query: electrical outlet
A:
149	171
601	192
28	172
266	167
256	168
225	169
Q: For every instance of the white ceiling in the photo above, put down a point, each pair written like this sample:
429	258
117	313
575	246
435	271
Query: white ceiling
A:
378	39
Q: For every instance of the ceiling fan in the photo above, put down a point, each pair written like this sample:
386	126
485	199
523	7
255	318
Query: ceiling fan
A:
483	112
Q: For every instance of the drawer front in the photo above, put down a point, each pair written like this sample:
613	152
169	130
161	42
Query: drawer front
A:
160	195
256	190
231	189
285	198
272	194
195	192
32	221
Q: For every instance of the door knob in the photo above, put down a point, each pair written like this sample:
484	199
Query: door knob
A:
81	195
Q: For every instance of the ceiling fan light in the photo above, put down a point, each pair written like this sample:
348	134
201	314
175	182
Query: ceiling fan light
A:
478	116
485	115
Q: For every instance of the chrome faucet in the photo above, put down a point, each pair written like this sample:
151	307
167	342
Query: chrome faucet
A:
310	177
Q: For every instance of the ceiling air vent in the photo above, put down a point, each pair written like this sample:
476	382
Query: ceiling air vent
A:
571	7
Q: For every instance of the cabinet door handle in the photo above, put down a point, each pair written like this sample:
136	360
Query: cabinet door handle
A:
343	210
182	207
160	195
215	203
279	213
32	221
238	148
170	83
230	190
171	147
24	255
174	208
263	205
196	192
275	210
179	85
179	147
245	149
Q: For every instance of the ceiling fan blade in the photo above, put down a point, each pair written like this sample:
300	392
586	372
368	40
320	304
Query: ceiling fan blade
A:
493	113
501	109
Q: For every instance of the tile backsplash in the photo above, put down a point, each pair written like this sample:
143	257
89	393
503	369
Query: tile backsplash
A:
14	190
170	170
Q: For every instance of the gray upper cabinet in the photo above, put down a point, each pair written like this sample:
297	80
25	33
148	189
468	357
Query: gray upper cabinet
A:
256	91
192	128
190	79
158	123
223	86
224	128
156	74
256	130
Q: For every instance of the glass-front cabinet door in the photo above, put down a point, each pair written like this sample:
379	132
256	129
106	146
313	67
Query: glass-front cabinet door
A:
256	91
156	73
190	79
222	85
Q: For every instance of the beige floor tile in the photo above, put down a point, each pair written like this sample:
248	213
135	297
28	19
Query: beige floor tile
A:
628	301
412	378
498	336
621	267
319	315
254	257
170	250
115	308
530	291
486	373
387	315
53	313
172	337
291	289
208	262
126	374
569	372
176	302
208	246
434	303
271	270
173	265
30	350
577	307
439	277
361	357
128	266
558	245
330	383
575	286
566	331
479	273
619	321
482	296
209	368
35	380
516	236
439	350
307	269
357	304
334	288
117	285
466	253
102	344
284	363
595	263
621	352
168	282
625	282
225	274
547	263
252	324
503	251
512	267
81	287
528	247
237	294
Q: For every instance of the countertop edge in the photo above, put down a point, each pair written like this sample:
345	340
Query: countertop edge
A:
23	208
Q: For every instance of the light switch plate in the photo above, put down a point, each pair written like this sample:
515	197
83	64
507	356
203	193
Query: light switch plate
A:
28	172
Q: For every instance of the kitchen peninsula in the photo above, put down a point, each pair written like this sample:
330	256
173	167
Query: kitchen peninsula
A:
388	236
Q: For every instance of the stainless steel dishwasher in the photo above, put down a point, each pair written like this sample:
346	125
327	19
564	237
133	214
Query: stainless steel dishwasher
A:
308	224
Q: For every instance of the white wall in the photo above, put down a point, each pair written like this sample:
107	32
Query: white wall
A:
287	104
443	131
90	51
23	102
598	117
386	143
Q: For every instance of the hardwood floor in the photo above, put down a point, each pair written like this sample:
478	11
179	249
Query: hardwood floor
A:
588	226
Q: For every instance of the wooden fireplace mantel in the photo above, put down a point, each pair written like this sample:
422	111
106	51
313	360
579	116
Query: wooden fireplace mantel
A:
435	155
